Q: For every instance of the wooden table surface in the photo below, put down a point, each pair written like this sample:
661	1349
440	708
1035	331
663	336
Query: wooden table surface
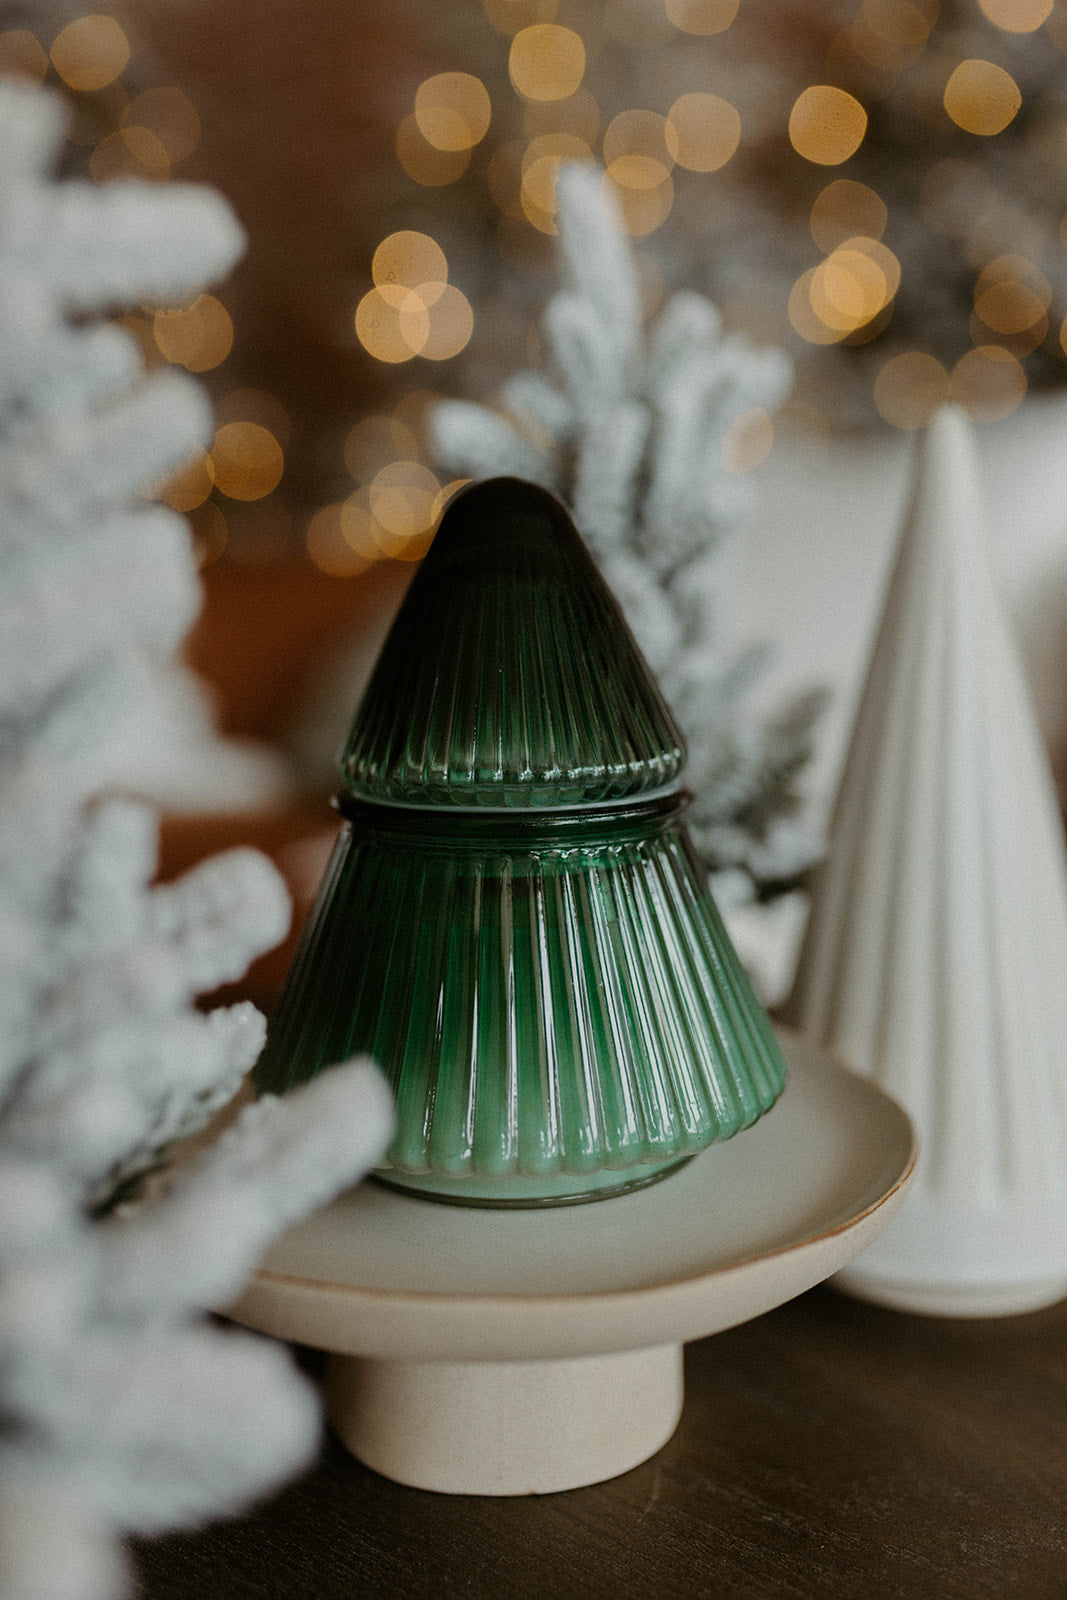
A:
828	1451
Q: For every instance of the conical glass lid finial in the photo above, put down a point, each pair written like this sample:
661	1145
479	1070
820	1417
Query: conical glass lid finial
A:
510	677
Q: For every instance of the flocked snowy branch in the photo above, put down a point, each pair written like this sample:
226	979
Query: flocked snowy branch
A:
627	427
121	1409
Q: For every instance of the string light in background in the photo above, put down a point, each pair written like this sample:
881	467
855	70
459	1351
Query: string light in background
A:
452	111
22	55
90	52
706	131
981	97
701	16
1017	16
826	125
546	62
197	337
412	310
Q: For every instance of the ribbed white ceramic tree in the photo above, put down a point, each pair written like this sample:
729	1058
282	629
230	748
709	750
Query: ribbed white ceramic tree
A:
935	960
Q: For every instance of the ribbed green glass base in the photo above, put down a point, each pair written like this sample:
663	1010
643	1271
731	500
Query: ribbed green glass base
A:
524	1194
553	998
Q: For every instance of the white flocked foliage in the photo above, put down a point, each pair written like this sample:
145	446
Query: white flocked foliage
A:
122	1408
627	428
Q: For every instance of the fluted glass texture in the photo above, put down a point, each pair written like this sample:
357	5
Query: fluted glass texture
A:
551	995
510	677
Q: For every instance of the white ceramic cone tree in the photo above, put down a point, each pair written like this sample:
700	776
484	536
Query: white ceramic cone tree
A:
935	959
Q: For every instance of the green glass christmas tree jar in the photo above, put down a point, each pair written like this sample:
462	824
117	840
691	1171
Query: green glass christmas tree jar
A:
514	923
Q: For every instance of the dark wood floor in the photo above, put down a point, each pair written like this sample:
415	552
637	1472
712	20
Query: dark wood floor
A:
828	1451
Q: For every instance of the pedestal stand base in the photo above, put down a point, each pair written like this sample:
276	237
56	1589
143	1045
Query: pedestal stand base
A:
507	1427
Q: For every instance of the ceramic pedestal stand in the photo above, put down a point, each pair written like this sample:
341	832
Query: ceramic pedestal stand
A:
521	1352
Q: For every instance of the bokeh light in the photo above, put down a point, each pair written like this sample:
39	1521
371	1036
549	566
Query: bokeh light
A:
392	330
169	115
328	547
989	383
198	337
1017	16
546	62
639	149
451	325
246	460
130	153
706	129
826	125
90	52
541	162
844	293
910	388
642	210
890	34
452	110
747	441
1011	295
845	210
22	55
981	97
423	161
409	260
190	486
701	16
402	497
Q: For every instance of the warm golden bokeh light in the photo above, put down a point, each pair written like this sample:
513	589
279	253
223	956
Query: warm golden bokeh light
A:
451	325
1009	307
409	260
90	52
747	441
255	405
190	486
1017	16
168	114
643	210
853	284
422	161
803	317
844	210
706	129
701	16
328	547
639	149
198	337
402	497
981	97
826	125
989	383
546	62
392	329
130	153
910	388
22	55
246	460
452	110
541	162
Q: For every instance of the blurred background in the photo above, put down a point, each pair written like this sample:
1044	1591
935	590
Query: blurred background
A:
877	188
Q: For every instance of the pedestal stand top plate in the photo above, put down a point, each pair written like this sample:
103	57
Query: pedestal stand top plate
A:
746	1226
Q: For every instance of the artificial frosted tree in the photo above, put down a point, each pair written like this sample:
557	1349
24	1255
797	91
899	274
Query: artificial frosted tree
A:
935	954
626	425
122	1410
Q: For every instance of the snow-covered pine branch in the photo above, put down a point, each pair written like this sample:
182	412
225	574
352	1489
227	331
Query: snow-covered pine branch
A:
626	425
121	1409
